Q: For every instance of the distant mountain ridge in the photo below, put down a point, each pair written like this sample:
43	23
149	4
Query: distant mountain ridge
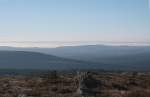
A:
34	60
116	57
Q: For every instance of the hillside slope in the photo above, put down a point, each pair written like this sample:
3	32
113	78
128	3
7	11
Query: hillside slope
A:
94	56
32	60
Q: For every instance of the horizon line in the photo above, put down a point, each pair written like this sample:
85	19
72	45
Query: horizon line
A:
54	44
72	42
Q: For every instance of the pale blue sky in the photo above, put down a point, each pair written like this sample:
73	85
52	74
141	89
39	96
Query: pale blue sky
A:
75	20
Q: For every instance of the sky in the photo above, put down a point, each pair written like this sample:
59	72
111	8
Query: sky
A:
51	22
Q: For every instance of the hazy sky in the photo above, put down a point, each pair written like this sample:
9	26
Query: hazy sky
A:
75	20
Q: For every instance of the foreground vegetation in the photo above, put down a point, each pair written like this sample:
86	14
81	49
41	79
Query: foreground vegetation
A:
53	84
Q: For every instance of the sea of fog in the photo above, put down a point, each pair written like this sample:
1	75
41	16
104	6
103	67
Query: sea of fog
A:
73	43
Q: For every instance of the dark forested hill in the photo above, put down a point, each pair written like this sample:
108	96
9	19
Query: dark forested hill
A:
90	56
32	60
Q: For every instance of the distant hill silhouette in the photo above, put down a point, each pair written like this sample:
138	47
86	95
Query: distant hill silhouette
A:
33	60
116	57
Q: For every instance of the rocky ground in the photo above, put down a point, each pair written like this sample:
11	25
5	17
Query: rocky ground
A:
71	85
